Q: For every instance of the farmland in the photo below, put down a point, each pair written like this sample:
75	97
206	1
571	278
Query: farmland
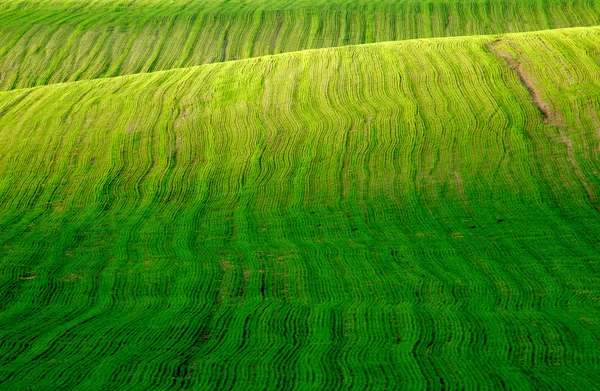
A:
343	208
46	41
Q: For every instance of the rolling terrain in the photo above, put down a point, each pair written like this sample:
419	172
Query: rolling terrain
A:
53	41
399	215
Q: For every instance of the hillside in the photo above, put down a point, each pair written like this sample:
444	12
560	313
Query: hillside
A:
405	214
50	41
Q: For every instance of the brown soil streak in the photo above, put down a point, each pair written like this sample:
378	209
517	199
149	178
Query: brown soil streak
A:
550	117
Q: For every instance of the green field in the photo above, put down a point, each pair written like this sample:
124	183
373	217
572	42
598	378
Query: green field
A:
303	212
51	41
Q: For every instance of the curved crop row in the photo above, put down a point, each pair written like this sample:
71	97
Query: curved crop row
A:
394	215
44	41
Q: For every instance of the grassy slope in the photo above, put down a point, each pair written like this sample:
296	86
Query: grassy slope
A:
397	214
44	41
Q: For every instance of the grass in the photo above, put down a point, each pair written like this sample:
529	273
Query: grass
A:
50	41
413	214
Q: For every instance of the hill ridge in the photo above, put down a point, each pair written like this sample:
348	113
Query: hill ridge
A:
495	37
45	42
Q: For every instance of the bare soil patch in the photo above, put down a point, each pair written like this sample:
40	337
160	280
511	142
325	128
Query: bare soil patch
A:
550	116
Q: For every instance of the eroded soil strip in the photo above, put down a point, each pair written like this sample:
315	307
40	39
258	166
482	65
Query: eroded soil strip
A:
550	116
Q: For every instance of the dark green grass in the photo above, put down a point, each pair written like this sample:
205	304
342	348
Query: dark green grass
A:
397	215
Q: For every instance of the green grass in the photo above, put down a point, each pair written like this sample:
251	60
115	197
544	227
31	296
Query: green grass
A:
52	41
394	215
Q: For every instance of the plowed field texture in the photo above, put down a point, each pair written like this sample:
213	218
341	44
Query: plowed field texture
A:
299	195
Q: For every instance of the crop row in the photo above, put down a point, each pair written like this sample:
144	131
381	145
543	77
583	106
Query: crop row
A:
389	215
44	42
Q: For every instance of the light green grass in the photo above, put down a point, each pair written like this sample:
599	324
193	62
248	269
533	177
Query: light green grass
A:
396	215
49	41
